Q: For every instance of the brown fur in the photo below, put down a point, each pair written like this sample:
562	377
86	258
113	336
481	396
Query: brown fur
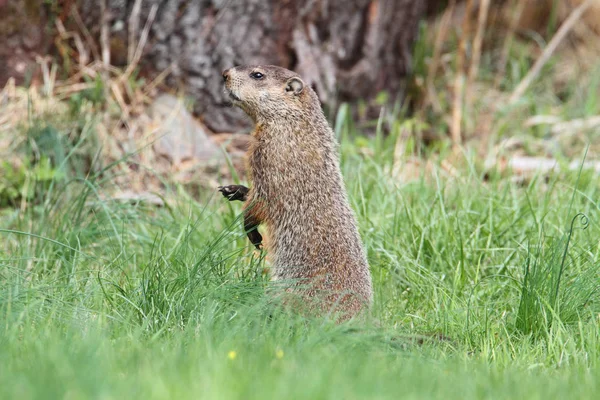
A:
298	191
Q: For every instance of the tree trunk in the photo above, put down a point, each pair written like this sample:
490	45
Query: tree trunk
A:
22	26
345	49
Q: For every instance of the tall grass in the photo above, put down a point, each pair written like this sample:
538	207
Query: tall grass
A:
106	299
544	297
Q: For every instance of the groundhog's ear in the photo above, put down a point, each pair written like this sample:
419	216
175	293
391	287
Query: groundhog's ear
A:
294	85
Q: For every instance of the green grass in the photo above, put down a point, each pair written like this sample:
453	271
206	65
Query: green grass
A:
111	301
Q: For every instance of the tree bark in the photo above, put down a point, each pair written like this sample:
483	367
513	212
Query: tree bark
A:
22	28
345	49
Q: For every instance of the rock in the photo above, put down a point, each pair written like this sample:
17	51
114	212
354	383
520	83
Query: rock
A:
180	137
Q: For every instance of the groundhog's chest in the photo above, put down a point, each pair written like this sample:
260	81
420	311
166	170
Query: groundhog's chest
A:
287	168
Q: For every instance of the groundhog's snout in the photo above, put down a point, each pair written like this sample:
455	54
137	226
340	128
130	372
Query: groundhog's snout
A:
227	79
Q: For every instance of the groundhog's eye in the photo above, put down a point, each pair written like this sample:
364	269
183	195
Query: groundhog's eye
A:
256	75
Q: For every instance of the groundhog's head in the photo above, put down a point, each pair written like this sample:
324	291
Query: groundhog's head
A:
267	92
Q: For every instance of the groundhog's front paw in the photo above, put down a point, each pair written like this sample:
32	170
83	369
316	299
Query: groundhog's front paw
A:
234	192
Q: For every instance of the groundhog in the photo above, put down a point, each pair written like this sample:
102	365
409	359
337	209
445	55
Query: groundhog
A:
298	192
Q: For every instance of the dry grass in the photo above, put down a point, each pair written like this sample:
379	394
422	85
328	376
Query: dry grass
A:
514	77
125	131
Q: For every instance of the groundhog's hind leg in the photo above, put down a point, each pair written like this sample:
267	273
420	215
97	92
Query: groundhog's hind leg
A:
251	227
234	192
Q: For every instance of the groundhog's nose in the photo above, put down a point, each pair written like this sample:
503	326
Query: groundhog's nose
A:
225	75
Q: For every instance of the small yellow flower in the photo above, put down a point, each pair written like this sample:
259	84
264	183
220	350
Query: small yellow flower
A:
279	354
232	355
